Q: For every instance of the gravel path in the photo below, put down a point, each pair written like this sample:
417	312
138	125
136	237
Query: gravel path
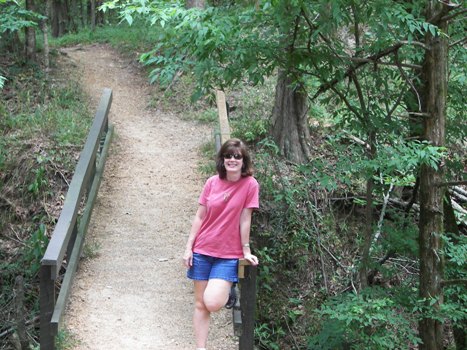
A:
134	293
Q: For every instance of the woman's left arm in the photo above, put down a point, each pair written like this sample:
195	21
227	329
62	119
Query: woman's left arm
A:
245	225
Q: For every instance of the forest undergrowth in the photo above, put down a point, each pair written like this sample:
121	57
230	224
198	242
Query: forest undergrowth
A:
43	121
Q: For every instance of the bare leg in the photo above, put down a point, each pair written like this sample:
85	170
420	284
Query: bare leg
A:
210	296
201	315
216	294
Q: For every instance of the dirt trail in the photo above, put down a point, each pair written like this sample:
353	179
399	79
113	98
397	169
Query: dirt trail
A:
134	294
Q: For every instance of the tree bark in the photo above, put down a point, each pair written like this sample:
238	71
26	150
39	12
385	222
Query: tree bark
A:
363	274
57	18
431	223
93	15
63	17
290	119
45	32
53	19
30	36
73	15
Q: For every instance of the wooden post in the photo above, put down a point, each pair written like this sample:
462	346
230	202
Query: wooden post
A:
47	303
248	306
223	119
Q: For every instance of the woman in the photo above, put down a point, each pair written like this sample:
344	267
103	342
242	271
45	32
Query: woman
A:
220	234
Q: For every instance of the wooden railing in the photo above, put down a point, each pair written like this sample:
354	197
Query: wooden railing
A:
68	236
243	313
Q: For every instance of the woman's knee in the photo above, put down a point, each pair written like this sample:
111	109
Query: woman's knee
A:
213	304
200	305
208	304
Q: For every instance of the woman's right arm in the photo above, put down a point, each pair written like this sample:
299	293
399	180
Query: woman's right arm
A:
195	226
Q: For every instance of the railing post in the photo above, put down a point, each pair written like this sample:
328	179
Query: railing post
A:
248	307
223	117
47	304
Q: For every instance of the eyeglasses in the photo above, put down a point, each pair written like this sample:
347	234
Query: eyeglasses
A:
237	156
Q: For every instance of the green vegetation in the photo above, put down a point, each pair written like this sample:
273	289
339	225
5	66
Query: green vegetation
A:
91	250
128	39
66	340
339	233
43	125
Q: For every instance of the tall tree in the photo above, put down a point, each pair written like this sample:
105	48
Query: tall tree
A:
432	191
290	127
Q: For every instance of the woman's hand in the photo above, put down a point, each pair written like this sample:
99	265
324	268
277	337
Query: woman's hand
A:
188	258
251	258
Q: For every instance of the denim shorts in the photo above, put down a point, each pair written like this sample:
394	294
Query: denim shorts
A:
206	267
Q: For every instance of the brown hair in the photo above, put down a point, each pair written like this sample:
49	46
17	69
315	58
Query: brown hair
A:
234	146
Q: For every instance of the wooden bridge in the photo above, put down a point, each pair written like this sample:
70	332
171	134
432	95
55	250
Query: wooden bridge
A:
62	257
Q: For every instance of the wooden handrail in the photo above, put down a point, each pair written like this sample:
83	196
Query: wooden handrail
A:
68	236
86	165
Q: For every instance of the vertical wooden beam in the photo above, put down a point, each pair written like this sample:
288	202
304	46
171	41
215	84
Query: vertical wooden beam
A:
47	303
248	305
223	119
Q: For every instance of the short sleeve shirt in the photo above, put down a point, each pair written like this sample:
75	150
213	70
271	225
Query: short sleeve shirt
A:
219	234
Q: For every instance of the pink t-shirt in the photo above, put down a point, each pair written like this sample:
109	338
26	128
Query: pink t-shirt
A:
219	234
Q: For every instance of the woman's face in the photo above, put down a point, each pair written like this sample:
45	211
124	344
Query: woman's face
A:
233	161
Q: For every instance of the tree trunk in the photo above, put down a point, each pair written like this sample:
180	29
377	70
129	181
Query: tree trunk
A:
53	20
74	15
58	18
93	15
63	18
30	36
83	13
44	28
368	234
431	194
290	119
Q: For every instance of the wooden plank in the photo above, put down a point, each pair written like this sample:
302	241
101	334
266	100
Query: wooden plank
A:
223	118
65	289
241	267
62	232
